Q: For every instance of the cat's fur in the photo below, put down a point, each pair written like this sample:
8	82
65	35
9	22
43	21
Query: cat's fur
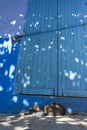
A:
53	109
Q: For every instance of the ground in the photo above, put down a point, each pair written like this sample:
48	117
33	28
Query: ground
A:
34	122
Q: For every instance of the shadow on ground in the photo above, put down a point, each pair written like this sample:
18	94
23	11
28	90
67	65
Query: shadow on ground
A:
14	122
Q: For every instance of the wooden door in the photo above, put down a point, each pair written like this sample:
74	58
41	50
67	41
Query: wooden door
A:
37	65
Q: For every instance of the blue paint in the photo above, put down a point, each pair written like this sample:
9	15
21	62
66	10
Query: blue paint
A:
58	70
11	103
72	62
38	74
12	17
41	17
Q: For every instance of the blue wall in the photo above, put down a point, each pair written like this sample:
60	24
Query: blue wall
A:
12	15
11	103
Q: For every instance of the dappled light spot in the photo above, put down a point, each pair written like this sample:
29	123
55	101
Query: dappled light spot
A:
36	103
62	38
30	25
15	99
28	82
21	128
59	32
85	16
36	46
86	80
49	47
72	51
19	27
9	89
37	49
13	22
79	76
6	72
24	42
1	88
18	71
18	33
61	46
21	15
81	20
9	35
29	39
28	77
25	49
64	50
51	42
69	110
72	75
72	33
86	64
28	67
25	102
82	62
24	85
63	43
60	16
49	25
1	65
76	59
66	74
37	22
33	14
12	69
25	80
8	45
43	49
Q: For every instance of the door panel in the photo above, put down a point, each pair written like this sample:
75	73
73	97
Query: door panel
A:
73	61
53	60
37	65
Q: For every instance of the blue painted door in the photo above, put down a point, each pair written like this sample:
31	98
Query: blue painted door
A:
37	62
72	39
73	61
37	65
52	59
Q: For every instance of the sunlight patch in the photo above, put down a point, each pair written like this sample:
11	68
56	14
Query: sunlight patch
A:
25	102
72	75
15	99
13	22
1	88
62	38
12	69
69	110
8	45
76	59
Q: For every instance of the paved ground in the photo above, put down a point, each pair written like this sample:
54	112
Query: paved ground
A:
33	122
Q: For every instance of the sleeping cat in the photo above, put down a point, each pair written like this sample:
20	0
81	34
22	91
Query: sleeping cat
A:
53	109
